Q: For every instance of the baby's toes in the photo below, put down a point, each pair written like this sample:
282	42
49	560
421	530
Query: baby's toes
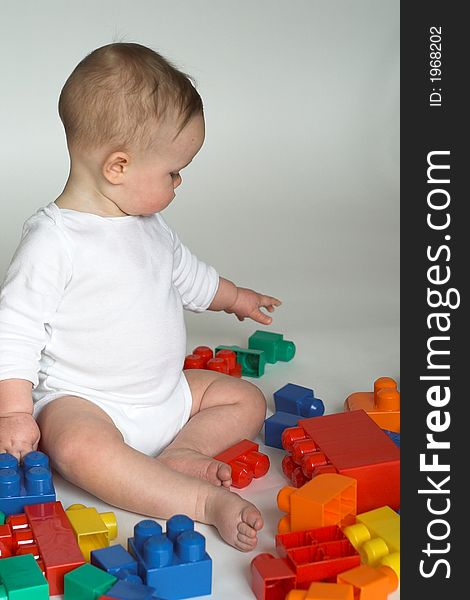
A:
224	473
251	516
246	543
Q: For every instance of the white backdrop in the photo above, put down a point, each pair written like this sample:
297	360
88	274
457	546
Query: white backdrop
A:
296	190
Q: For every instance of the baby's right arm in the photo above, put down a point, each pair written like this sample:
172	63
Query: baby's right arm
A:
19	433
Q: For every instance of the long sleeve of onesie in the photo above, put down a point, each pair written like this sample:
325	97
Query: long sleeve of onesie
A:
30	295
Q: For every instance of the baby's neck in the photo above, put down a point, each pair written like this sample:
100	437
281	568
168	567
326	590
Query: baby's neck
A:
82	195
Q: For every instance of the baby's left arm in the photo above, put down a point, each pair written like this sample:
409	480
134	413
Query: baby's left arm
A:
243	302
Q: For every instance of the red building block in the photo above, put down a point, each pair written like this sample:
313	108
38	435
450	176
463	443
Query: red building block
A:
246	462
382	405
349	443
45	531
271	578
225	361
317	554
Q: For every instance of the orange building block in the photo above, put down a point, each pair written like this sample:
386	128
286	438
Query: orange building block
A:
382	405
323	591
370	583
328	499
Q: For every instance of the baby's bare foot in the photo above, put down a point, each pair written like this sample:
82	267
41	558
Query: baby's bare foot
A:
237	520
196	464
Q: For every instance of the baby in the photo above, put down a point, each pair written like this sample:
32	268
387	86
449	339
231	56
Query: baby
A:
92	335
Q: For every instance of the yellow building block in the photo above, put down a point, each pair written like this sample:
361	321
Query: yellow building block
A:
376	536
328	499
92	529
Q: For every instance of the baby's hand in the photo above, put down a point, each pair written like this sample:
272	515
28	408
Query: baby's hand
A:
248	304
19	434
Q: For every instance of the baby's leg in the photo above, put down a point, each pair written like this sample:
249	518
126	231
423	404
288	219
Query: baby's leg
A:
87	449
225	410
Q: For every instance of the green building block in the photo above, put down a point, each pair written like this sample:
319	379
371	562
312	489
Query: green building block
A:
253	362
87	583
2	518
273	344
22	579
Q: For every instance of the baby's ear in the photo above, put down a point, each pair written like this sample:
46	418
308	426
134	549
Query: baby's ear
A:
115	167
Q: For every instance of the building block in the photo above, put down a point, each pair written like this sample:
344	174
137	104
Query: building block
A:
246	462
2	517
224	361
45	532
328	499
271	578
298	400
93	530
176	564
376	535
87	583
22	579
128	590
21	485
275	425
273	345
369	583
323	591
382	405
317	554
351	444
115	560
253	362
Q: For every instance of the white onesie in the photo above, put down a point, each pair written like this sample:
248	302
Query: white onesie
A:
93	307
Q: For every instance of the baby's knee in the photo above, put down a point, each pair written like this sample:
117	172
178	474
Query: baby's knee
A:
254	400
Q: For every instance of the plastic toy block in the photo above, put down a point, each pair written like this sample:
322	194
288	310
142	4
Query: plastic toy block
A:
45	532
253	362
176	564
273	345
127	590
2	517
382	405
351	444
328	499
275	425
87	583
93	530
323	591
246	462
298	400
225	361
271	578
115	560
369	583
317	554
21	485
376	535
22	579
395	437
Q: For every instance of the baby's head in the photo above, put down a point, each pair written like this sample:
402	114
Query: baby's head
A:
133	121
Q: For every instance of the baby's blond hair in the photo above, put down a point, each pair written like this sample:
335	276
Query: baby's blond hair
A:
118	93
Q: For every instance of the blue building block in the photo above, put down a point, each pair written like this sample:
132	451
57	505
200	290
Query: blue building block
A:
126	590
116	561
298	400
275	425
30	483
176	564
395	437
